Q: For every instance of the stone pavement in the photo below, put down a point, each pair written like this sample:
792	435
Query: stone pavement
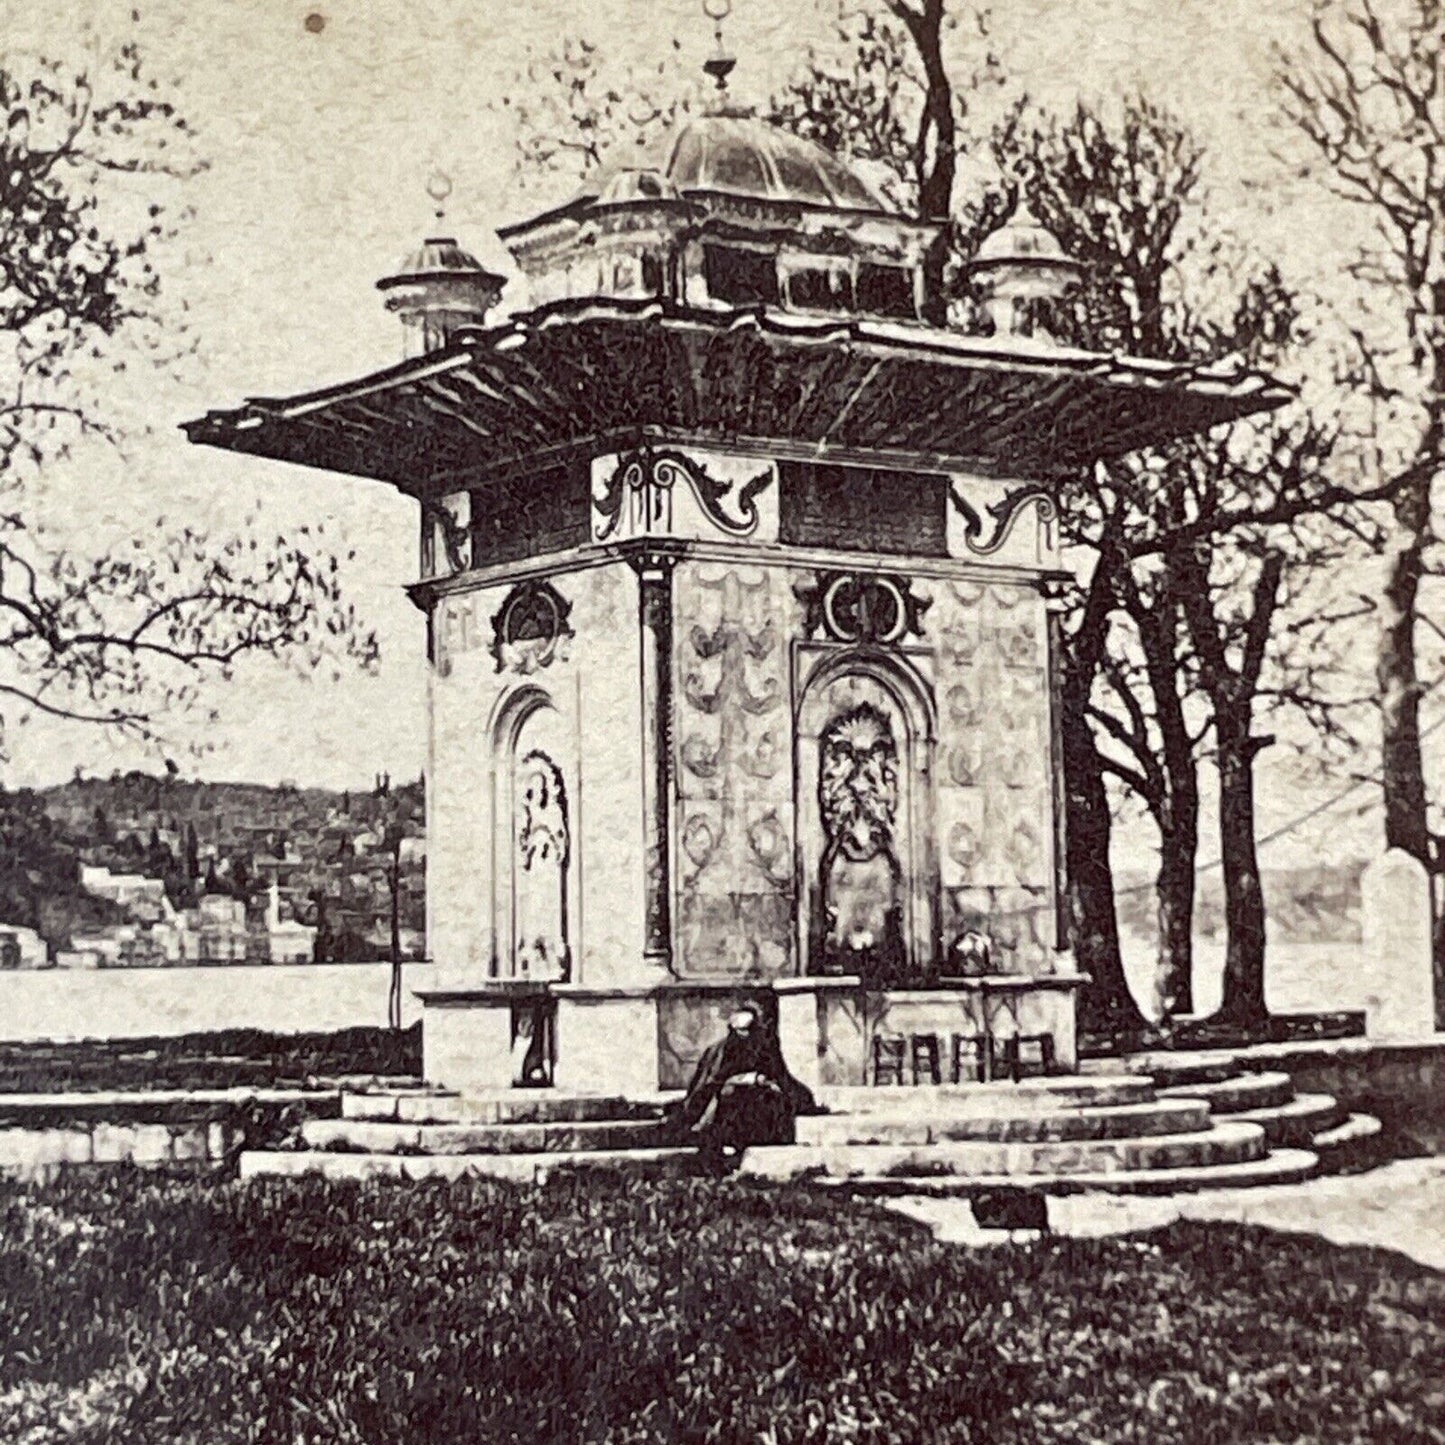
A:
1400	1206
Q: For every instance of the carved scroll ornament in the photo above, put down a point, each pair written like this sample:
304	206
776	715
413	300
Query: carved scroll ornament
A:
648	477
1005	513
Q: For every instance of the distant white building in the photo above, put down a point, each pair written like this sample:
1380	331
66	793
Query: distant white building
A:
22	948
77	958
224	937
144	897
287	941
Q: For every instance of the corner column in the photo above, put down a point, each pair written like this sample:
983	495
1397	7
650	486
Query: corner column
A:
653	566
1054	603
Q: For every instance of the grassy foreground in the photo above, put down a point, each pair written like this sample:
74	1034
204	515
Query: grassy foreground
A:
134	1308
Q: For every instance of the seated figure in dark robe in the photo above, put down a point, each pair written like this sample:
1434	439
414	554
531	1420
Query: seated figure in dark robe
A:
741	1094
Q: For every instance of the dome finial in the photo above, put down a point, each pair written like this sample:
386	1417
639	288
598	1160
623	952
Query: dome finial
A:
439	188
719	65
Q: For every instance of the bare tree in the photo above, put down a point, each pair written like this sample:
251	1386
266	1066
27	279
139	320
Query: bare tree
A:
571	108
125	638
1368	99
1114	190
1150	740
1232	592
1195	547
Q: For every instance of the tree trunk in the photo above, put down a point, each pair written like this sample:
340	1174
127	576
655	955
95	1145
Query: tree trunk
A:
1406	820
1176	807
394	997
1178	828
1174	891
935	152
1106	1005
1243	1001
1397	676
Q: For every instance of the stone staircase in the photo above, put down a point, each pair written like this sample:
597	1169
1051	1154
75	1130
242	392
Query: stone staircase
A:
1317	1122
1162	1124
518	1134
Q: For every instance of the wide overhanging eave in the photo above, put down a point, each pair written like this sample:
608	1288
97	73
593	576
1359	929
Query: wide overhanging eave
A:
581	370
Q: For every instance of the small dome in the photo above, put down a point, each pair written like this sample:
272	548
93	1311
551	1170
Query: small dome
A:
439	289
743	156
436	256
635	184
1022	238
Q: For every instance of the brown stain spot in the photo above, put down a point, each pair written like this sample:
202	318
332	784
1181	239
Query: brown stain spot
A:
315	22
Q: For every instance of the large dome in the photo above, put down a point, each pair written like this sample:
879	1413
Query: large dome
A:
743	156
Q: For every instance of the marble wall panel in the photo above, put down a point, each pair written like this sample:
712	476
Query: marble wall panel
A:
733	770
474	691
994	776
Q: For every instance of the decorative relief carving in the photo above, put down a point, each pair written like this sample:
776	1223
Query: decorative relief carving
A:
542	853
644	481
450	522
1004	513
531	628
769	842
994	778
861	877
734	782
963	845
862	607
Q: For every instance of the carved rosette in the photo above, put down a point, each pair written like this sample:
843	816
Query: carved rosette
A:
531	628
862	607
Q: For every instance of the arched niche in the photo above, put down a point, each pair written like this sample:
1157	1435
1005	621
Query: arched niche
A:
533	839
865	732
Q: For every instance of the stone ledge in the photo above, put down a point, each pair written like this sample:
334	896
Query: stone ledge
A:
178	1106
484	995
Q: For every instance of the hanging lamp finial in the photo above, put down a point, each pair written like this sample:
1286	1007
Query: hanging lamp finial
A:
439	188
720	64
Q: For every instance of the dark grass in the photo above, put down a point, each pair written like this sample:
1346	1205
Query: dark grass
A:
227	1059
139	1309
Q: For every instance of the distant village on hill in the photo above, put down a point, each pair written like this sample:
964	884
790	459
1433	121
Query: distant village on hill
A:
140	870
153	870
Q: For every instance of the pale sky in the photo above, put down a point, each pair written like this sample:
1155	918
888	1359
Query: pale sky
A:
319	145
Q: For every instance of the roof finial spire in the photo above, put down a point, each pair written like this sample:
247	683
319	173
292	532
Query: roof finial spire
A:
439	188
719	65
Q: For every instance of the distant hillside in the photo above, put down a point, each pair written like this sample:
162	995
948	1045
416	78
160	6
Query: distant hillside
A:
324	849
221	812
1320	904
40	874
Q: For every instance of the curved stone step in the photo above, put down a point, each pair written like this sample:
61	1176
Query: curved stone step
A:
1296	1123
371	1136
1231	1096
521	1168
1226	1143
1170	1069
1120	1121
1353	1142
981	1100
510	1106
1280	1166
